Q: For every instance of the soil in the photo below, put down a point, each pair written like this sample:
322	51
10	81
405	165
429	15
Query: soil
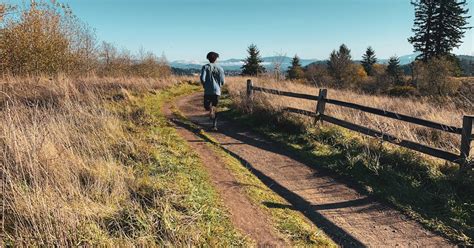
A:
347	216
247	217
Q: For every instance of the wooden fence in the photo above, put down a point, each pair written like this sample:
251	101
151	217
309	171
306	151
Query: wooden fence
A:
465	131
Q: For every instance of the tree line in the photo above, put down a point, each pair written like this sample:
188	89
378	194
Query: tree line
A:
46	38
438	28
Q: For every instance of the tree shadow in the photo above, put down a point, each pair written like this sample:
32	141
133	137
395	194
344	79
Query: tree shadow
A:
337	234
337	205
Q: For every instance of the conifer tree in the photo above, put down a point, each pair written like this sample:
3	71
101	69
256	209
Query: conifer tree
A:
394	70
450	25
340	63
295	71
368	61
252	66
439	27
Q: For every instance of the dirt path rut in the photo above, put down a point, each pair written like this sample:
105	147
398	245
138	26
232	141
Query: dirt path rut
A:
349	218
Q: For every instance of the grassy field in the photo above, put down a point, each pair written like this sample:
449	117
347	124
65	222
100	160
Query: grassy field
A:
93	162
427	189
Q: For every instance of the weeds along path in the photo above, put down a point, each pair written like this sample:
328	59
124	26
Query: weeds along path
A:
348	217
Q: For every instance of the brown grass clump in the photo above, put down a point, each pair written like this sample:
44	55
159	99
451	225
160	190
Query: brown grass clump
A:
448	113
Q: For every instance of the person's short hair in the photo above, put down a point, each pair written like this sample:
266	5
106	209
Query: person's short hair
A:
212	56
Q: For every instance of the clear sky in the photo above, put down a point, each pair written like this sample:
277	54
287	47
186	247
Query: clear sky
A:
188	29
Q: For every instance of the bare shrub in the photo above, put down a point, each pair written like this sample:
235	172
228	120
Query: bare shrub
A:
123	63
318	75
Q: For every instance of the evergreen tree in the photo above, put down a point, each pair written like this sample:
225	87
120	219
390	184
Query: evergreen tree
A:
394	70
340	64
252	65
368	61
295	71
450	25
439	26
423	28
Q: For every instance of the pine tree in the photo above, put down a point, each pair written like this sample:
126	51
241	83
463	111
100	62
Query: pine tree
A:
368	61
439	27
394	70
423	26
450	25
252	65
295	71
340	63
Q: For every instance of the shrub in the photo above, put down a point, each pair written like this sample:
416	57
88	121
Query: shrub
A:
46	38
434	77
358	73
402	91
318	75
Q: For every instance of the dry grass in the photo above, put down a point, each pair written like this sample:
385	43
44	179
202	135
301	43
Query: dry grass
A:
447	113
64	170
425	188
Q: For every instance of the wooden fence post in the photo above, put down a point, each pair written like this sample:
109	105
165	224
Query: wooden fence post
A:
249	89
321	105
249	95
466	139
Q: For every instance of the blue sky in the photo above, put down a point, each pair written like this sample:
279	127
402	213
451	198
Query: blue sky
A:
188	29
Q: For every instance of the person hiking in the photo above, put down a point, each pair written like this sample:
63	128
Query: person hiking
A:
212	79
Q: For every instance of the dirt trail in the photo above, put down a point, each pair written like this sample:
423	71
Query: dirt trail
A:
244	215
348	217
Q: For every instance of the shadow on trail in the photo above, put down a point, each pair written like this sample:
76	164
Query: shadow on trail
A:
337	234
344	204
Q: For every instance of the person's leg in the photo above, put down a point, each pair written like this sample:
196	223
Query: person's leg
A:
208	102
215	101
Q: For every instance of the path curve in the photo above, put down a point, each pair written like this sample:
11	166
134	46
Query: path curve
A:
245	216
348	217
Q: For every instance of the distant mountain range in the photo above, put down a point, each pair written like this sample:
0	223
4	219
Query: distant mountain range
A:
236	64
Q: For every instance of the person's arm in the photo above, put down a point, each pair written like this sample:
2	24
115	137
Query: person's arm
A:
203	75
222	76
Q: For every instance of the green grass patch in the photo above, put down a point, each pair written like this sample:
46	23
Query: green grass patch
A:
428	191
175	202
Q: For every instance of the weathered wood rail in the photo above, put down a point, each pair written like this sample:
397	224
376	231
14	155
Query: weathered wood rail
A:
463	159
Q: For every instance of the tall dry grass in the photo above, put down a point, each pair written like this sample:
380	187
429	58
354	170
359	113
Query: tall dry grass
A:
60	175
446	113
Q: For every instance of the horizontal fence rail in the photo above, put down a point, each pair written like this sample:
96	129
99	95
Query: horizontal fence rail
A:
397	116
322	100
285	93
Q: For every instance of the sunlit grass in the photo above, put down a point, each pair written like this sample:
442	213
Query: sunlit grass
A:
427	189
94	162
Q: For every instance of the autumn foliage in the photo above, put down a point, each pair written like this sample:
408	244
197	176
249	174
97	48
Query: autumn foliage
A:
46	38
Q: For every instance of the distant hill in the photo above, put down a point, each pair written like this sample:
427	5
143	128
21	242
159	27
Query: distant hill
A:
234	65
